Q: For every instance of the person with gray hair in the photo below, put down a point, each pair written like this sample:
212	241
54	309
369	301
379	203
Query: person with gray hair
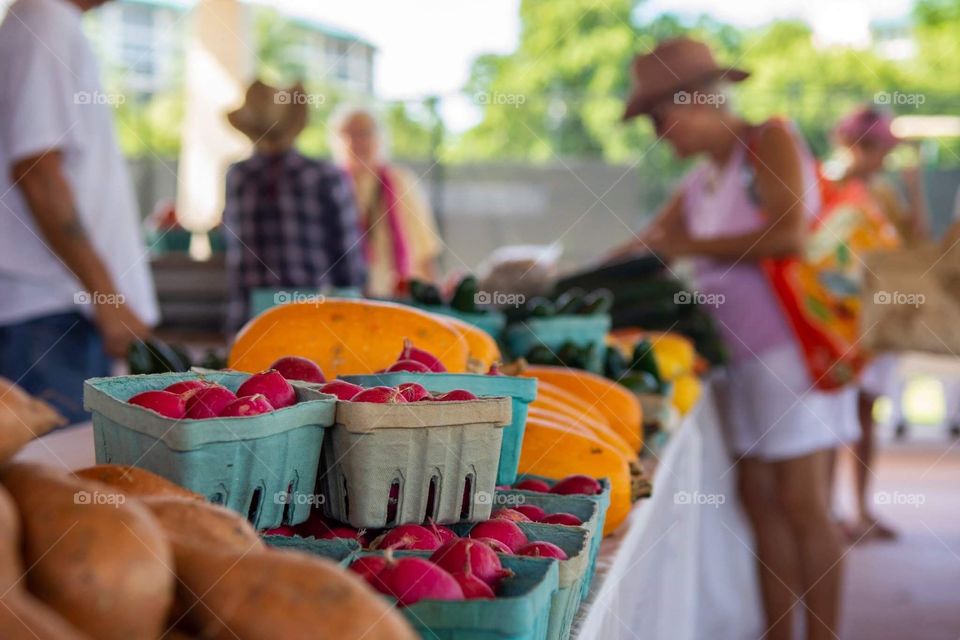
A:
398	225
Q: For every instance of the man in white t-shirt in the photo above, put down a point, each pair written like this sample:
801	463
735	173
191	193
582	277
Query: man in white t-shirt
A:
75	283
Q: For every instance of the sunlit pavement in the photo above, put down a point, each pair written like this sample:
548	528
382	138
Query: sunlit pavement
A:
910	588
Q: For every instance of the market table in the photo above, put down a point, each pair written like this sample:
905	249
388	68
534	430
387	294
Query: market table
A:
680	568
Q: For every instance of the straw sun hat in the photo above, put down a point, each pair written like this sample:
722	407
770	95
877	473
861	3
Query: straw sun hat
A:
270	114
674	65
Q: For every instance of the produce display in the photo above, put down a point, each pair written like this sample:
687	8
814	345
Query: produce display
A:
278	499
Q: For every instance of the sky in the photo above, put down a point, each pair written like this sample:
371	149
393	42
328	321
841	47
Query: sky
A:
426	46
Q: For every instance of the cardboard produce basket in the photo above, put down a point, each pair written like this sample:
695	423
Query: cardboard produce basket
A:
390	464
521	610
555	331
343	551
255	465
522	392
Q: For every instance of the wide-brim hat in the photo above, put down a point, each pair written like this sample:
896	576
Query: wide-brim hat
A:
674	65
271	114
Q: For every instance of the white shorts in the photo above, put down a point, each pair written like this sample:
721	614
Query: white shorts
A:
769	411
881	375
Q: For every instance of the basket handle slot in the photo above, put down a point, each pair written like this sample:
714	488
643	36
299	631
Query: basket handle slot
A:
254	511
466	504
393	502
288	504
430	513
346	497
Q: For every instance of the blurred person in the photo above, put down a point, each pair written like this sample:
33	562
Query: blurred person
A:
399	228
752	197
290	220
74	273
867	138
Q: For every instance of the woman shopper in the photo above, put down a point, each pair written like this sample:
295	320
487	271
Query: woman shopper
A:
751	198
866	138
399	229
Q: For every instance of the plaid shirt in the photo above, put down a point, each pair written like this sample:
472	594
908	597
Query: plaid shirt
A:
289	221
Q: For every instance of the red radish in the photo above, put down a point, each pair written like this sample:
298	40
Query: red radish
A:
410	352
496	545
273	386
542	550
510	514
443	533
562	518
413	391
408	365
247	406
506	531
532	511
577	484
369	568
411	580
283	530
473	587
532	484
167	404
466	555
185	386
407	537
457	395
342	389
297	368
208	402
379	395
495	370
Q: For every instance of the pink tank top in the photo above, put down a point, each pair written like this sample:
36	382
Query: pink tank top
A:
718	202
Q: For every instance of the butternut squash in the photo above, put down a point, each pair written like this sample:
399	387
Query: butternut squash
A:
279	594
22	418
99	560
599	431
345	336
618	404
481	346
556	451
135	482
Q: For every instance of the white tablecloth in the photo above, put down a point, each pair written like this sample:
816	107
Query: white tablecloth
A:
682	568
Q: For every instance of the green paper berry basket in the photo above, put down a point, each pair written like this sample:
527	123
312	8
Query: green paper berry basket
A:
554	332
521	610
521	391
250	464
491	321
565	602
343	551
586	508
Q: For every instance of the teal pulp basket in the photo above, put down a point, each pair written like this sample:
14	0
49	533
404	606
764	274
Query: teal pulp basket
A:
340	550
522	391
554	332
521	610
263	298
565	602
250	464
585	508
492	321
